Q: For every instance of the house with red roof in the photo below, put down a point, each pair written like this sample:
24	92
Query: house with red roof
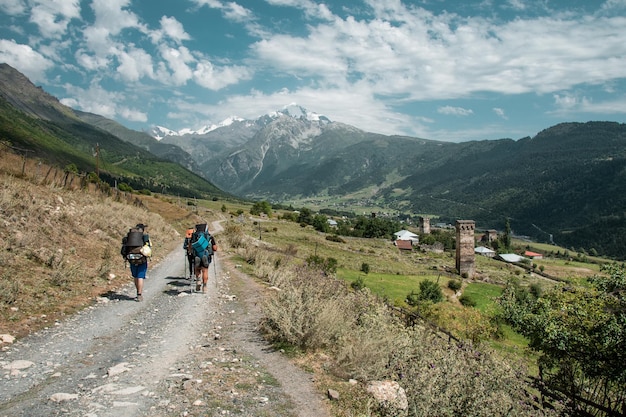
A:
533	255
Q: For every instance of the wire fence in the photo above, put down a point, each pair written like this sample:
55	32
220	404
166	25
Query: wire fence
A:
18	162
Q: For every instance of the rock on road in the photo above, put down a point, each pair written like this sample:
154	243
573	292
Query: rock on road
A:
177	353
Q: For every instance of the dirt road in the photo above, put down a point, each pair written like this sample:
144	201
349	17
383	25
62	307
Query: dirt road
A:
177	353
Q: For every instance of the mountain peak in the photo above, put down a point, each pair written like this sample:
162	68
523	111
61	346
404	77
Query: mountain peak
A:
298	112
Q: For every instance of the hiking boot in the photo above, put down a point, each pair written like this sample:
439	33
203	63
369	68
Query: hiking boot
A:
198	286
204	290
139	298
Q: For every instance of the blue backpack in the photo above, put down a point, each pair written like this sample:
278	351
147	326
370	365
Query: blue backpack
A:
201	242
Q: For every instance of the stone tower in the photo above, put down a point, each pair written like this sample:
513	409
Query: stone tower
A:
424	225
465	247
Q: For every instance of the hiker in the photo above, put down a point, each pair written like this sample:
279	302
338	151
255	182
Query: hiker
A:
204	246
136	249
189	250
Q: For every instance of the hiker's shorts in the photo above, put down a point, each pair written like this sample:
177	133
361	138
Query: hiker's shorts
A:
204	261
139	271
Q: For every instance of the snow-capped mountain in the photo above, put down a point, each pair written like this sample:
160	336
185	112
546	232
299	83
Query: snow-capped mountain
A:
293	110
299	112
160	132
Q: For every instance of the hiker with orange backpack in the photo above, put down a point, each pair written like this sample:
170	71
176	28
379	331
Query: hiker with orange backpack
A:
189	250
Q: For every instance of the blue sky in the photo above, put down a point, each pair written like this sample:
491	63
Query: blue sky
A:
436	69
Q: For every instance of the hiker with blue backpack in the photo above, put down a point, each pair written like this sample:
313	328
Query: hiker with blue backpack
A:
203	247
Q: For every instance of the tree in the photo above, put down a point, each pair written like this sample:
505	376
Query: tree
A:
580	333
305	216
506	238
261	207
429	291
320	223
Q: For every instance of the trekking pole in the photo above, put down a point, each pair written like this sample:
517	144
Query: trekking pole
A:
215	268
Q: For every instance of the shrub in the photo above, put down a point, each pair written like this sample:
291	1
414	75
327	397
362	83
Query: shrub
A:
335	238
455	284
365	268
412	298
467	301
430	291
233	235
122	186
328	265
358	284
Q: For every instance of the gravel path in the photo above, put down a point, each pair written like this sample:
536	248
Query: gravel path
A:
177	353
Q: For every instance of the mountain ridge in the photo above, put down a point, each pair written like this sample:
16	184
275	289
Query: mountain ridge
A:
45	128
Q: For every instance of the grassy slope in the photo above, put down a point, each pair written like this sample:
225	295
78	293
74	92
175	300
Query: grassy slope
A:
68	141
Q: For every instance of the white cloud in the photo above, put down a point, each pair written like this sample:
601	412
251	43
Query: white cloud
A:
570	103
135	64
96	99
177	60
101	45
52	16
90	62
613	6
174	29
615	106
428	56
13	7
566	101
25	59
230	9
500	113
133	115
311	8
215	78
114	16
455	111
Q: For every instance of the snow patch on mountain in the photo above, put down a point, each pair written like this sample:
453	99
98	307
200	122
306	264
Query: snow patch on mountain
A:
292	110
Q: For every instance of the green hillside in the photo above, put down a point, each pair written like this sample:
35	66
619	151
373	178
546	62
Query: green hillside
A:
67	141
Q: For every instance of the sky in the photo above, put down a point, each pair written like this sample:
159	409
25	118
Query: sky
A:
445	70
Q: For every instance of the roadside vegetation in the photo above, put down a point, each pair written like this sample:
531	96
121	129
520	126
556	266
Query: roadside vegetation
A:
321	312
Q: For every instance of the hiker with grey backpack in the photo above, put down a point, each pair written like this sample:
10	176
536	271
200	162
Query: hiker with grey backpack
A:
136	249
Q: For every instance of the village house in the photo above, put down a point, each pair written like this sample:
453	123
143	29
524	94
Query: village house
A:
406	235
481	250
533	255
